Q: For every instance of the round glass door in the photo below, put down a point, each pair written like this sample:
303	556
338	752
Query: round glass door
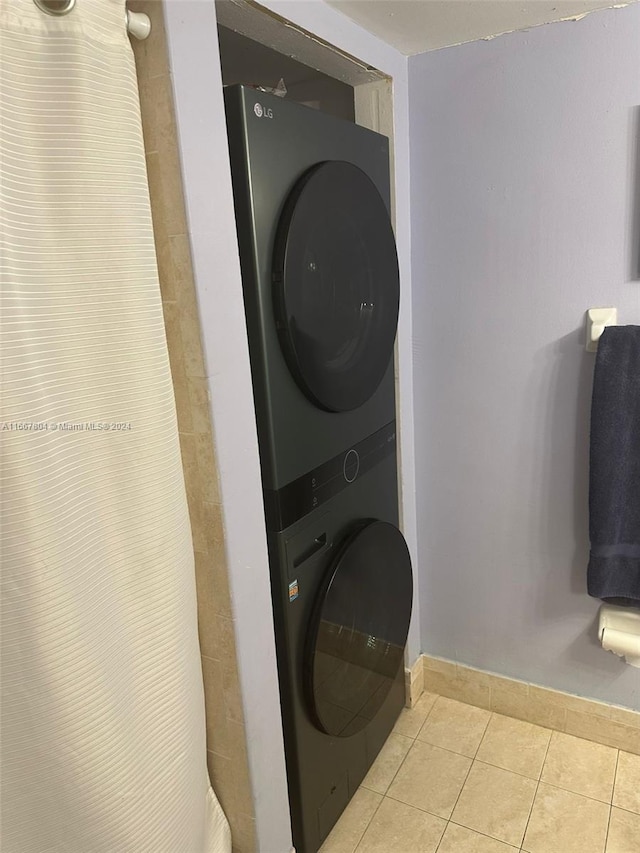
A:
336	286
358	634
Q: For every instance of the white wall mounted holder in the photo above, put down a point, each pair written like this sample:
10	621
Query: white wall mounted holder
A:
597	319
619	632
138	25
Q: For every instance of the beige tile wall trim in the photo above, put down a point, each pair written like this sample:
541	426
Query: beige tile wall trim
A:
585	718
414	682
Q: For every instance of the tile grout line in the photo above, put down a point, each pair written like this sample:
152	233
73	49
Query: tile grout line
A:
473	758
483	834
382	796
540	779
506	769
613	791
574	793
622	809
492	714
444	832
429	712
418	808
606	836
372	791
446	749
484	734
484	760
373	814
414	739
615	776
535	794
452	751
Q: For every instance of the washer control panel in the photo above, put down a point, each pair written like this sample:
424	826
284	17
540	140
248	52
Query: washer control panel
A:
302	496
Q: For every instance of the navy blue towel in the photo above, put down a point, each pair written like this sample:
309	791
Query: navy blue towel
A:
614	477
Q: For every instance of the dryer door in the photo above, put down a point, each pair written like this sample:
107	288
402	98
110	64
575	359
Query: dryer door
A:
336	286
357	636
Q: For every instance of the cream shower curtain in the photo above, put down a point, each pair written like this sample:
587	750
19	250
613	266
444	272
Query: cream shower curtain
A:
103	735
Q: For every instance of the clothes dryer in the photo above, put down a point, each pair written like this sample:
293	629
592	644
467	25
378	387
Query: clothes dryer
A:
320	278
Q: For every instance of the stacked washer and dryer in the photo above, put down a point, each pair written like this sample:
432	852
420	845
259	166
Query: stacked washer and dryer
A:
321	293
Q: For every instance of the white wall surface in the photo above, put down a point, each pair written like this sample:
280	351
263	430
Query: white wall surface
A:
193	49
524	168
195	68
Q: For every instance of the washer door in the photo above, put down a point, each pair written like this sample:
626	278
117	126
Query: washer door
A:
336	286
357	636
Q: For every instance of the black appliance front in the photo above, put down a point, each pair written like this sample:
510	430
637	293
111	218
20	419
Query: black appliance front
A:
320	278
321	293
336	287
341	587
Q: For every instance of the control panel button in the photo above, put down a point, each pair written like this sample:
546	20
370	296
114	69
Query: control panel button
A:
351	466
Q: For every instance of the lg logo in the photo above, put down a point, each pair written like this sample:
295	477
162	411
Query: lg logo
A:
261	112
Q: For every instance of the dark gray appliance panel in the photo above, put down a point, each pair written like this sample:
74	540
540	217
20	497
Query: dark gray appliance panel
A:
324	771
336	286
295	436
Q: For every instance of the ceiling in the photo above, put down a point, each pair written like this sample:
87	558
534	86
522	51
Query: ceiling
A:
415	26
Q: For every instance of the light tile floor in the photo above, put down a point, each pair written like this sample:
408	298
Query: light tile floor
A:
456	779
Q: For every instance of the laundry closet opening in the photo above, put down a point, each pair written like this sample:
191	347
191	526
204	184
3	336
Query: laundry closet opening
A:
258	48
244	60
321	288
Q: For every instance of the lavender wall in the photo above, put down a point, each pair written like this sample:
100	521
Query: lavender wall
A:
524	168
